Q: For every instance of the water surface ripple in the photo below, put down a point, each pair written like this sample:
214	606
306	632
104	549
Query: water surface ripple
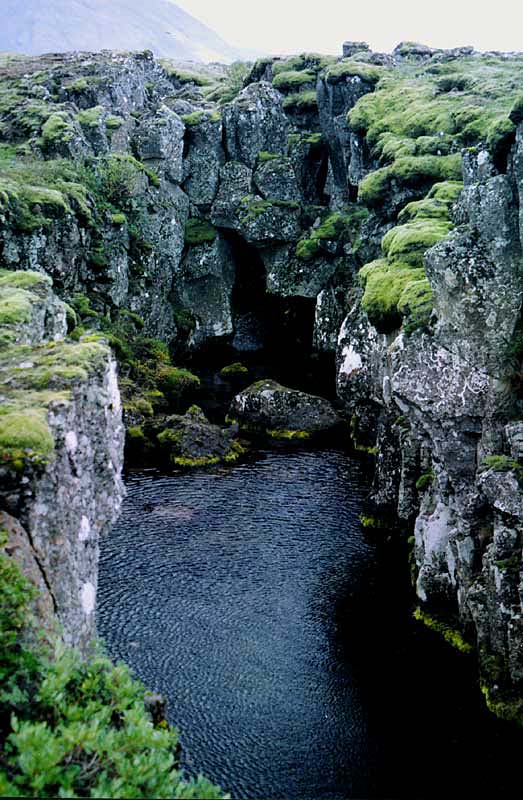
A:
282	637
219	588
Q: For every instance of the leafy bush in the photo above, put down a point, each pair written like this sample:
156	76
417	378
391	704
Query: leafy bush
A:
73	727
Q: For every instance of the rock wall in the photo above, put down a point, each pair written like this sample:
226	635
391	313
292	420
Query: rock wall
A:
381	190
61	439
444	413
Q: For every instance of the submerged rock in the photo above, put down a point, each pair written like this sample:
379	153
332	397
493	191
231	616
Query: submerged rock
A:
268	407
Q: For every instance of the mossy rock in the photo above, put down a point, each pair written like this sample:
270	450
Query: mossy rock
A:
25	431
409	242
301	101
234	371
352	68
199	231
292	79
384	284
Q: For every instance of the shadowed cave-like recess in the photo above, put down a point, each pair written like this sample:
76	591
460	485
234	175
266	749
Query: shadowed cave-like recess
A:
272	335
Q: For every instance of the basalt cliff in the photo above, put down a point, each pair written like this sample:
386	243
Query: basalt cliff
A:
357	218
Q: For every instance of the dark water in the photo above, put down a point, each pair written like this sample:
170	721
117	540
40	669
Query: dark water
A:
281	635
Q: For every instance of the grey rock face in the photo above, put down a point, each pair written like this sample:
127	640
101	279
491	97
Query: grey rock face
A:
45	316
269	406
255	122
159	141
77	499
208	274
288	276
454	401
202	163
334	102
276	179
19	547
67	500
235	184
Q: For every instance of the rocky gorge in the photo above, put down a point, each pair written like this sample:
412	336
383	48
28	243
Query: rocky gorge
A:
352	221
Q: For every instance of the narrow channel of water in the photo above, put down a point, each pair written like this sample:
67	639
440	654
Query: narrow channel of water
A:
280	634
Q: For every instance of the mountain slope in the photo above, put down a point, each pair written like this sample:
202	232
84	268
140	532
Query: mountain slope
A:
43	26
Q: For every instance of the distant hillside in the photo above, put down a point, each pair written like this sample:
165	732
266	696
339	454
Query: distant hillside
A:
43	26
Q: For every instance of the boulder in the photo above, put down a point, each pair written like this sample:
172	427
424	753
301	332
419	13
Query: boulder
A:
268	407
192	441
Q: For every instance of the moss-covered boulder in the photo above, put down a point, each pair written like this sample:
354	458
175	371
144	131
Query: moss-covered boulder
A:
192	441
269	408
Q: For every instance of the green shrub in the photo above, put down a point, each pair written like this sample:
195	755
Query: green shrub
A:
73	727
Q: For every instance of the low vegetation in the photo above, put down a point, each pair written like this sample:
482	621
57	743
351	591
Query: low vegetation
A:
71	727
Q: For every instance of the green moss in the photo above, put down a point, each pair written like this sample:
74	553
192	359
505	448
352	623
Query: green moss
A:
415	305
332	228
15	306
408	243
352	68
112	123
199	231
25	430
308	249
237	450
384	285
424	481
302	101
452	636
313	62
373	523
194	463
57	128
288	80
79	85
118	218
251	206
185	76
234	370
264	156
193	119
500	463
511	565
90	117
509	709
413	171
285	434
434	110
175	382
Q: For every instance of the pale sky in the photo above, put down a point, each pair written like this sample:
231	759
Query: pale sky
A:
291	26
